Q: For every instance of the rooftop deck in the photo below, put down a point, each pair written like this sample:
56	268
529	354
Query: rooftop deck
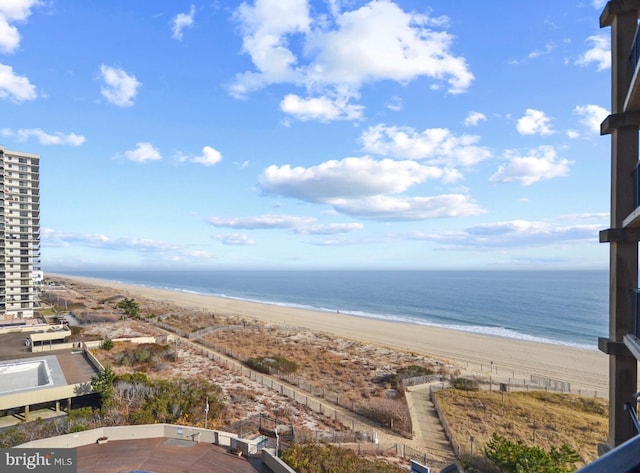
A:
163	455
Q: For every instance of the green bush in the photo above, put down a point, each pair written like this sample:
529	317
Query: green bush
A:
174	401
78	428
129	306
147	354
321	458
465	384
406	372
269	364
517	457
107	344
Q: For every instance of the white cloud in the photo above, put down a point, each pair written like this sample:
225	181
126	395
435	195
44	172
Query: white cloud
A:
119	87
364	187
388	208
209	157
602	216
395	104
335	55
591	116
261	222
265	27
9	36
348	178
534	122
599	54
56	138
538	164
299	225
182	21
329	229
154	251
11	11
435	145
235	239
380	41
512	234
14	87
17	10
144	152
598	4
548	49
53	237
320	108
474	118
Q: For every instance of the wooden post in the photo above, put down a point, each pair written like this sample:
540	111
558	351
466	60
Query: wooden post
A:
622	17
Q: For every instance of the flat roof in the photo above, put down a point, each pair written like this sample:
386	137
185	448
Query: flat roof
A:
164	455
30	374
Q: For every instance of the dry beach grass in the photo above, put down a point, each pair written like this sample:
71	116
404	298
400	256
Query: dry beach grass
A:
352	356
584	369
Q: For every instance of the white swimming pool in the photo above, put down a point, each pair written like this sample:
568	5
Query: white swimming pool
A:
19	375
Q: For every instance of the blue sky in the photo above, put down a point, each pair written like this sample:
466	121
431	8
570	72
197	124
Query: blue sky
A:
293	134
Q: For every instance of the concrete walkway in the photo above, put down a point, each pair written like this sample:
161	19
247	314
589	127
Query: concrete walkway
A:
428	431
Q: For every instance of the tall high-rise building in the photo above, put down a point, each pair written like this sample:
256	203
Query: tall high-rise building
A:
20	271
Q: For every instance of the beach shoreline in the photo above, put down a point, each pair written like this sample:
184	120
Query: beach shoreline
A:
488	355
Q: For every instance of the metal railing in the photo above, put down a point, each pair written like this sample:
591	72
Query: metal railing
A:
635	423
622	459
634	56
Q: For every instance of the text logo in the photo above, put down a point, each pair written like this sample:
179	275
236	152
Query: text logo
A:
38	460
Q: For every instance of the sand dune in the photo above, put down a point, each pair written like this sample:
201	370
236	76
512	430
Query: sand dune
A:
501	357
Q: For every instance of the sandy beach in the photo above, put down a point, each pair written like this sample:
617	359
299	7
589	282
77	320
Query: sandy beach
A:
496	356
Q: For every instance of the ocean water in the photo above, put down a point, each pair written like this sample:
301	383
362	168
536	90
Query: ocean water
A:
562	307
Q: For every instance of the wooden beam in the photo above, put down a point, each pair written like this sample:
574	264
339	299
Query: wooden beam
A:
630	234
620	120
611	347
615	8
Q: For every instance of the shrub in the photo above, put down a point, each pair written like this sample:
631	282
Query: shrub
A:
516	457
406	372
268	364
78	428
129	306
145	355
465	384
320	458
107	344
389	412
413	371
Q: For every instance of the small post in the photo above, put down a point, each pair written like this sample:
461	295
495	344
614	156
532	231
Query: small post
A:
206	412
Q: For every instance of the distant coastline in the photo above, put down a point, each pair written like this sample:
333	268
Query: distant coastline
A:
565	308
585	369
